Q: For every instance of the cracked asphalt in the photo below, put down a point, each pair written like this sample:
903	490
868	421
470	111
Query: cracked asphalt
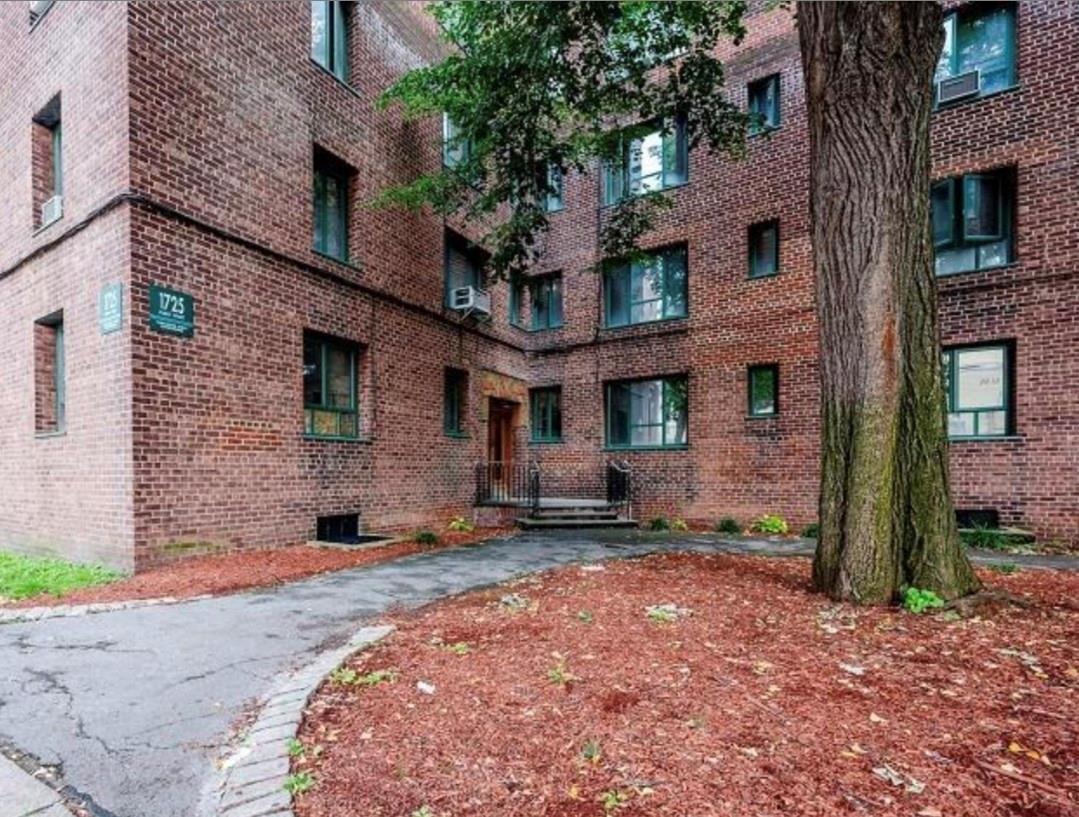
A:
133	706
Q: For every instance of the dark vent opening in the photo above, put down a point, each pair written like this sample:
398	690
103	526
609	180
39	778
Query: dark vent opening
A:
980	518
341	528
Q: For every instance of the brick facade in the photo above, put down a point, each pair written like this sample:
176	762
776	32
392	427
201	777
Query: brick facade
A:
189	136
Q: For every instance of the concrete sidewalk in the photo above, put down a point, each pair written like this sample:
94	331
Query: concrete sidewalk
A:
21	795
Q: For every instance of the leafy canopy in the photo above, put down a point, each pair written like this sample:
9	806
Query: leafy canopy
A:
532	86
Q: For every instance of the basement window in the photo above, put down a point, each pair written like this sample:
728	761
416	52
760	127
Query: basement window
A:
50	378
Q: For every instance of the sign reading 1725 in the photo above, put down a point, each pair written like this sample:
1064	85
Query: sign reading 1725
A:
171	312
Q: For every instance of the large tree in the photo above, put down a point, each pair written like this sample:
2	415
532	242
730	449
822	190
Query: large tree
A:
535	86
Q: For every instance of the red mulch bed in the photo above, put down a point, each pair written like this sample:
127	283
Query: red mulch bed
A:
765	700
231	572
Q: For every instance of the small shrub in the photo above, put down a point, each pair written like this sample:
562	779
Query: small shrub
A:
558	674
295	748
344	675
379	676
299	783
811	531
461	525
728	524
1006	568
771	524
460	648
985	538
918	601
585	616
425	537
612	799
592	751
659	523
679	525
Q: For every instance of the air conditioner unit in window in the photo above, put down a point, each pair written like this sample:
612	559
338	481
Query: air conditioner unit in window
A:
470	299
52	210
958	87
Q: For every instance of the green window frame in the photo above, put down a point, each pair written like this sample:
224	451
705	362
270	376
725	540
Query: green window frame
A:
330	199
454	401
330	399
546	413
644	291
60	375
515	296
651	157
763	103
973	221
456	149
462	264
547	302
329	36
762	390
978	384
554	198
57	159
764	249
647	413
981	37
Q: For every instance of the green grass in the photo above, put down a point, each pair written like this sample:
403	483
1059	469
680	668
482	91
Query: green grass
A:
22	577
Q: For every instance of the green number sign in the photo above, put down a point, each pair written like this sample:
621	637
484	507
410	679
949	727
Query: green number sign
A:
171	312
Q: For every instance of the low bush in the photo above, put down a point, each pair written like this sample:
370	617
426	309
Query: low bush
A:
679	525
461	525
771	524
425	537
659	523
812	531
918	601
728	524
984	537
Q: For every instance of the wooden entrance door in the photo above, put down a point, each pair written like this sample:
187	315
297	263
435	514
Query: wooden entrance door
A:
500	416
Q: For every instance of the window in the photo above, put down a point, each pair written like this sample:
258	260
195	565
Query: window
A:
547	302
455	397
331	206
977	380
456	150
972	221
763	103
546	409
654	161
50	379
464	263
38	9
329	36
47	165
647	413
553	200
763	249
763	390
980	37
646	291
516	291
329	387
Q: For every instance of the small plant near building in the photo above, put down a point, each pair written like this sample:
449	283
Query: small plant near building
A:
346	676
592	752
299	783
679	525
811	531
423	811
613	799
728	524
295	748
461	525
917	601
984	537
585	616
771	524
427	538
659	523
460	648
560	675
22	577
1005	568
666	613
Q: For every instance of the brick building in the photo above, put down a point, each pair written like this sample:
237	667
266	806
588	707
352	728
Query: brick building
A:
212	342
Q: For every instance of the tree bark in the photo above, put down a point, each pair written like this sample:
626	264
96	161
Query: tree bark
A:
886	516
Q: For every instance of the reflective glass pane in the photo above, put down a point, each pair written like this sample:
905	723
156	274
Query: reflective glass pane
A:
312	372
674	286
555	302
944	65
647	435
320	32
618	297
993	255
960	259
762	385
992	423
984	42
646	163
981	206
339	377
980	378
961	424
647	402
943	213
764	255
618	410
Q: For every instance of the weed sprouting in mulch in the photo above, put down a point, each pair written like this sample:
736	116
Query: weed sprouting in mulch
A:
758	698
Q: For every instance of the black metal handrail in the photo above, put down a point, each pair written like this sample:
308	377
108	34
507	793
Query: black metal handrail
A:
502	483
620	485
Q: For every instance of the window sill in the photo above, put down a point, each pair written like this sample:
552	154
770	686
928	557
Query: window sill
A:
457	435
334	438
662	322
42	228
631	448
763	276
324	70
624	199
773	416
342	261
48	435
970	99
995	438
1008	265
766	131
558	441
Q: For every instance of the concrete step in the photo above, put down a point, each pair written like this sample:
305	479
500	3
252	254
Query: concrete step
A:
582	513
549	523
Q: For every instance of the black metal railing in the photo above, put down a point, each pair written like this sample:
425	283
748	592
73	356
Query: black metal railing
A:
501	483
620	485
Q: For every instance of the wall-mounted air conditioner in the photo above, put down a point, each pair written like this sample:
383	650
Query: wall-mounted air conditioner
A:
958	87
470	299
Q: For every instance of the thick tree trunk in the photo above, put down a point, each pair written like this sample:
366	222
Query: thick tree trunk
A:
886	516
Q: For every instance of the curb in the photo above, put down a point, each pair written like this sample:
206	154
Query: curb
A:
252	779
22	614
23	794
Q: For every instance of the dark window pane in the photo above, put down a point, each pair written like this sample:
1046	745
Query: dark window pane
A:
312	372
943	213
618	297
981	207
763	249
338	377
762	390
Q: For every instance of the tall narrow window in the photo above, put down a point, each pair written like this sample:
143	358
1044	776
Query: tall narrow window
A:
456	149
979	51
553	200
464	263
50	379
546	410
763	390
656	160
329	386
977	380
763	249
763	103
649	290
331	205
329	36
973	221
647	413
454	400
516	290
547	302
47	164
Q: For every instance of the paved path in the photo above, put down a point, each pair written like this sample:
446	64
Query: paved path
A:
132	706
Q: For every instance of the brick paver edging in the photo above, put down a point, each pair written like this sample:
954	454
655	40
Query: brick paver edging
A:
17	614
252	778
